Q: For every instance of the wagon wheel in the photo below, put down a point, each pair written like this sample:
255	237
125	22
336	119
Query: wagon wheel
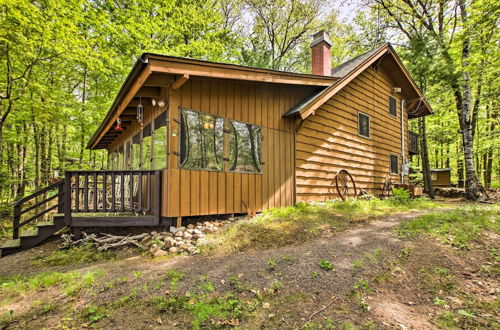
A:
345	185
387	188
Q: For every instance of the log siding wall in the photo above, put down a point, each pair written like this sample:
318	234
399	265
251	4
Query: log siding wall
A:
329	141
195	192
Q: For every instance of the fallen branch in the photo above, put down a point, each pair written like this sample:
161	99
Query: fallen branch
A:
103	243
318	311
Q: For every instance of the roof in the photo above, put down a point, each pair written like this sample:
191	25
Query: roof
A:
150	63
349	70
345	68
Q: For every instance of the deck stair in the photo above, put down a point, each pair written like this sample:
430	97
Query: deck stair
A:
29	238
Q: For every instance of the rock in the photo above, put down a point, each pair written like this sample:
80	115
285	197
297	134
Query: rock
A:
190	226
271	315
154	233
179	238
206	223
199	224
173	249
197	232
266	305
160	253
169	242
187	235
179	234
190	231
184	247
168	235
153	248
174	230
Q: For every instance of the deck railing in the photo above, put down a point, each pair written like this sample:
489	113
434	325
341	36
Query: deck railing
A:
92	192
412	143
136	191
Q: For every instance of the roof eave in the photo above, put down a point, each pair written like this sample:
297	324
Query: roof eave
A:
136	70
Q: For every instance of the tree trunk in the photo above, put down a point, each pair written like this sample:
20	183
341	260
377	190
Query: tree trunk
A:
424	153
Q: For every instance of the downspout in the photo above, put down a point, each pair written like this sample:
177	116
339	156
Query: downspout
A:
403	158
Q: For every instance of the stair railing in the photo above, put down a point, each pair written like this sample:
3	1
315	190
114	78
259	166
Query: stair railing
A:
23	206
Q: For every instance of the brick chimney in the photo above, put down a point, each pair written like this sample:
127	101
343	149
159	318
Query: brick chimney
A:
321	55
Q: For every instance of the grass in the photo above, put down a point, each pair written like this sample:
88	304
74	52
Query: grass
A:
74	256
457	228
70	283
294	224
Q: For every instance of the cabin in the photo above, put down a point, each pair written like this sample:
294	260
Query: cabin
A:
441	177
189	138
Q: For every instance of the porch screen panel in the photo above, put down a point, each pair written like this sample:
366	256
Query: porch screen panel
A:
120	159
128	155
136	152
201	141
146	148
244	147
160	142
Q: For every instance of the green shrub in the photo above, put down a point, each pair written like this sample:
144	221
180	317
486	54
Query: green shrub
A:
325	265
400	195
93	314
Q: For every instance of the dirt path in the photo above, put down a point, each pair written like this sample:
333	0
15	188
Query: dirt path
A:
302	290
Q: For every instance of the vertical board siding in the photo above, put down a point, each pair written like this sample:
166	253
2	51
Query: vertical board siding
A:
329	141
204	192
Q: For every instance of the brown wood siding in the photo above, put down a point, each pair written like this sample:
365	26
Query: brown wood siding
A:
443	179
192	192
329	141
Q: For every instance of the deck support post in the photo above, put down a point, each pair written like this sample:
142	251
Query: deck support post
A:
177	222
15	223
76	232
67	199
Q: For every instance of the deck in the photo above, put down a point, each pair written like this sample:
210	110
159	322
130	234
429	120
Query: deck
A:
94	199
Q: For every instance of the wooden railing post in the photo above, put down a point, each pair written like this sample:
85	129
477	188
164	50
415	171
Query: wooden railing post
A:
15	221
60	199
157	197
67	199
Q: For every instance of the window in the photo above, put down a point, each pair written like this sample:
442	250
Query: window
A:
201	141
146	148
363	125
160	142
136	152
393	107
244	147
394	164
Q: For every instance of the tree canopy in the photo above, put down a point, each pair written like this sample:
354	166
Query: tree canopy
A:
63	61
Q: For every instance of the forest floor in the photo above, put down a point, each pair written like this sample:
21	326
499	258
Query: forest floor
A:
416	269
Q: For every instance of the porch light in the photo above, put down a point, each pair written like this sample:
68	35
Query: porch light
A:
162	103
140	112
118	126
